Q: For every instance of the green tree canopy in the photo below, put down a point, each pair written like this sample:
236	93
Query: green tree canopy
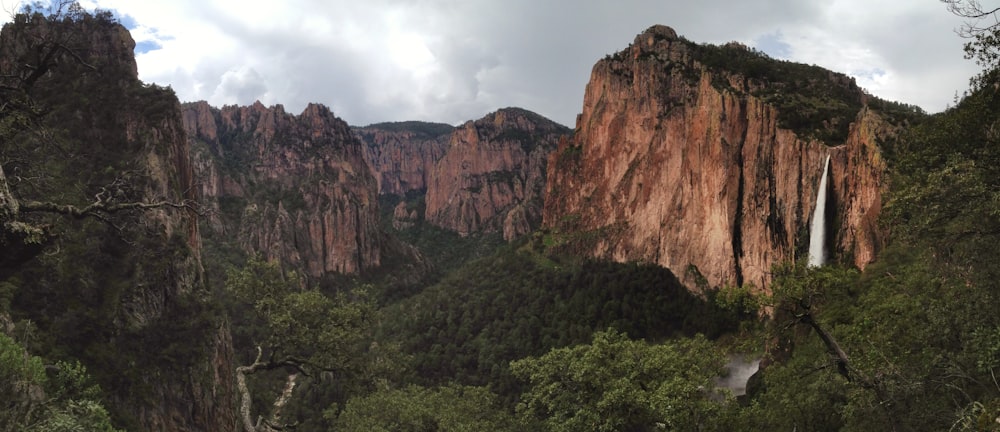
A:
294	328
452	408
618	384
34	400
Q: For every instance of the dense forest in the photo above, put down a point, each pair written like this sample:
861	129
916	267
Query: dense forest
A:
491	336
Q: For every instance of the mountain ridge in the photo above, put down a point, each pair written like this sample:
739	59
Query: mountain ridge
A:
482	176
292	188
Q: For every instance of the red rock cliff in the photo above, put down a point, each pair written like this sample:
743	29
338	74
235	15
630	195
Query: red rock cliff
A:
692	167
402	155
487	175
294	188
492	175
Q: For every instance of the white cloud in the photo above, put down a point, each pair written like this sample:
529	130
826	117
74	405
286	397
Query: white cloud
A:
241	85
453	60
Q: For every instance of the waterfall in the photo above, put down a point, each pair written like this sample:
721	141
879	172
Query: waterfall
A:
817	230
738	373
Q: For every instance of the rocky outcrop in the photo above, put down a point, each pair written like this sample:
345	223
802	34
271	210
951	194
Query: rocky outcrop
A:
492	176
486	175
119	291
293	188
402	155
404	217
706	170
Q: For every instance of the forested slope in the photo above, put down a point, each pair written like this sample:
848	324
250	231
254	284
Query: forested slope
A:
520	303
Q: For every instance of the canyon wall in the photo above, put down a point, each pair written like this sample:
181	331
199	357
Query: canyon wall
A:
492	177
694	167
293	188
485	176
402	155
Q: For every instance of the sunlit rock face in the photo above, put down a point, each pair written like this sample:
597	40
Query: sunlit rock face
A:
684	165
402	155
485	176
492	177
294	188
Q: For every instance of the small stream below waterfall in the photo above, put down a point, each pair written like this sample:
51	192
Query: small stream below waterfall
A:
739	370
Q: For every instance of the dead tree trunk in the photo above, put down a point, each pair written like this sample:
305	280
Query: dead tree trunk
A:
843	362
272	423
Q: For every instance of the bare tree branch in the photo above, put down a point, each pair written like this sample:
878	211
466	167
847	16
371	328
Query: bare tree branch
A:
99	209
842	361
974	13
273	422
282	400
241	384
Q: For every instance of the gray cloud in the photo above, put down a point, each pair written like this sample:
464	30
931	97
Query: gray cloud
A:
451	60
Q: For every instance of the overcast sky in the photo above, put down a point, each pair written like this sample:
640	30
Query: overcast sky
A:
455	60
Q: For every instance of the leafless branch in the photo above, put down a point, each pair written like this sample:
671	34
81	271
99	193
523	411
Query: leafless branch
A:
282	400
273	422
241	384
974	14
100	209
842	361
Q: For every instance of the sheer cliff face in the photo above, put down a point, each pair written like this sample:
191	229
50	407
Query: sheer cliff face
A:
492	176
402	158
682	165
294	188
487	175
108	287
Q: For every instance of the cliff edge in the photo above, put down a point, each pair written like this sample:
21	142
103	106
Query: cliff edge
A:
707	159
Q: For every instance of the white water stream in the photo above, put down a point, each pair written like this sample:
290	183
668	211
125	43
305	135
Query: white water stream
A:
739	369
817	230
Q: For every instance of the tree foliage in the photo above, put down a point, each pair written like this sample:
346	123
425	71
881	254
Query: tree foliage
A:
451	408
518	303
897	347
295	329
618	384
40	398
982	29
293	322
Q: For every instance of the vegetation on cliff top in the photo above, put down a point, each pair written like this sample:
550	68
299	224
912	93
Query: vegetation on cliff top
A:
427	129
812	101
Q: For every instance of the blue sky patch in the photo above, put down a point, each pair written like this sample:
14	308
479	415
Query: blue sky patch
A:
774	45
869	74
147	46
127	20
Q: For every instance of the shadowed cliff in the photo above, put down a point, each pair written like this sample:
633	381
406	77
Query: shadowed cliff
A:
122	291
